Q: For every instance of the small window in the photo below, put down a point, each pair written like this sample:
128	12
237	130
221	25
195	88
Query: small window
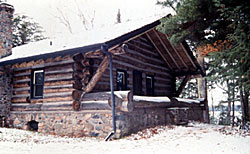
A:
37	84
121	80
150	85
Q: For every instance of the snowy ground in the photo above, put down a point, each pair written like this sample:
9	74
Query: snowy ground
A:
194	138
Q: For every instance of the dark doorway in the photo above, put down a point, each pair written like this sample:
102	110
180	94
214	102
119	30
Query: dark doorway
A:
137	83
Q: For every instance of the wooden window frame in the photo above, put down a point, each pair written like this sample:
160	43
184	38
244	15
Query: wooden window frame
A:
33	84
152	85
125	82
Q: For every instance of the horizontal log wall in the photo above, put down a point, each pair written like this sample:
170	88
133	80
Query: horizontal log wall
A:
58	85
141	56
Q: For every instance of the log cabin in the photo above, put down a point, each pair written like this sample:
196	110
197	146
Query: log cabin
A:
112	81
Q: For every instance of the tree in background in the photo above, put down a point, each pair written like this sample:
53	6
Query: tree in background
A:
25	30
223	25
190	91
118	17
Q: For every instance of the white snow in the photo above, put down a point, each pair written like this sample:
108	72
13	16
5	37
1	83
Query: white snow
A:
151	99
81	39
190	100
194	139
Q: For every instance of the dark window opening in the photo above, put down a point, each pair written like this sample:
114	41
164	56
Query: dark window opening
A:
137	83
150	85
32	125
121	80
37	83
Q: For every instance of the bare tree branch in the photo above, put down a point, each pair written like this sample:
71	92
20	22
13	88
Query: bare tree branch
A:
64	20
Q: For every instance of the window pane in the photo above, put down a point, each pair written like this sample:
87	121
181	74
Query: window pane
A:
38	90
149	82
120	77
39	78
150	85
121	80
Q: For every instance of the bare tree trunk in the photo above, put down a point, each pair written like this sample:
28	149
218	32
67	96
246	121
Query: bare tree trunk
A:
202	88
244	105
228	103
233	105
212	99
233	114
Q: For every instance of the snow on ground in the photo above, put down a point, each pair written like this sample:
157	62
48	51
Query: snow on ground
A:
194	138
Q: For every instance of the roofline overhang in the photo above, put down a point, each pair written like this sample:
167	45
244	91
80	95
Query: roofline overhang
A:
55	54
200	70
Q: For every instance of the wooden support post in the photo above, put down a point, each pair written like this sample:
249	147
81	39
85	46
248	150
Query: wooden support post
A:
101	69
182	86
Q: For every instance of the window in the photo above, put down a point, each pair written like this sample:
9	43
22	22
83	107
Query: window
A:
137	83
150	85
121	80
37	84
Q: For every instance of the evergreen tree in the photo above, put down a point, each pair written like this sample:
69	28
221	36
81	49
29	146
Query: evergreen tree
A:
223	25
25	30
118	17
190	91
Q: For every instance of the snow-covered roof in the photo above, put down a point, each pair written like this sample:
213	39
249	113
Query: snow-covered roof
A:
81	39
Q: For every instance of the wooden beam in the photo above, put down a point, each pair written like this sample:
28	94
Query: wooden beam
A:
182	86
101	69
170	55
149	37
187	55
178	55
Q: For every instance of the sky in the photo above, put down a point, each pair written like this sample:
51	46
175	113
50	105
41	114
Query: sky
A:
50	15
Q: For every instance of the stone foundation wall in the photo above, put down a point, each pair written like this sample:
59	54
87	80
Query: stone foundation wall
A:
5	94
99	123
144	118
72	124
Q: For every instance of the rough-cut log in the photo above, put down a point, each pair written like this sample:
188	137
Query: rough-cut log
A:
76	94
123	101
53	106
85	80
104	64
78	57
102	101
26	107
78	74
97	96
76	105
58	86
77	85
56	99
78	66
58	94
85	62
95	105
64	78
